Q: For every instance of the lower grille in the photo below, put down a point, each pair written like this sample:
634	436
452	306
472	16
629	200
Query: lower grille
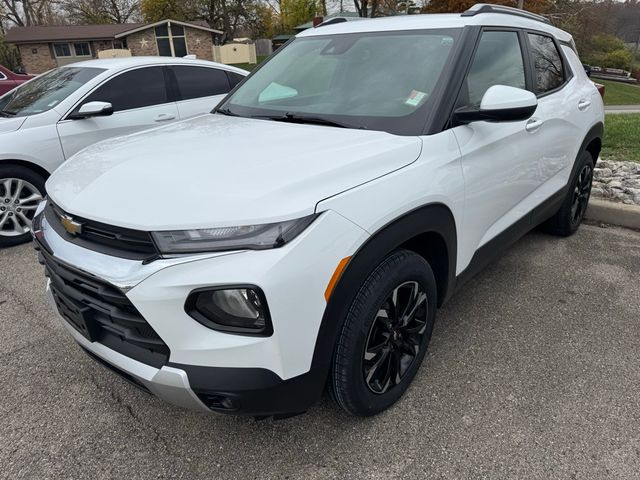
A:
102	313
124	375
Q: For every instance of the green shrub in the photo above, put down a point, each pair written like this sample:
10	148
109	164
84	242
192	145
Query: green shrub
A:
9	56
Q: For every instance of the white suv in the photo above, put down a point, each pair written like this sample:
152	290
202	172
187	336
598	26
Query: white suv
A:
305	234
54	116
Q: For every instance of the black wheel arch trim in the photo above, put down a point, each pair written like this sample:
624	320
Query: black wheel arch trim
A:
26	164
595	133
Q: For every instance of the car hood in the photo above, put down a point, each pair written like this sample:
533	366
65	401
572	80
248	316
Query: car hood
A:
11	124
214	171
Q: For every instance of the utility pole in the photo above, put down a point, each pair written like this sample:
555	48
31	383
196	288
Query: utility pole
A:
521	4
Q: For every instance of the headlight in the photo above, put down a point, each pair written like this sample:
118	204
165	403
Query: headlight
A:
250	237
237	309
36	223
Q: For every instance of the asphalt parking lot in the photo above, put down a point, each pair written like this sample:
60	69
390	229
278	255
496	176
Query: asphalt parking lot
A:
533	372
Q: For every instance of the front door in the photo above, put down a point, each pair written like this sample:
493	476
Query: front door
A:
140	100
500	160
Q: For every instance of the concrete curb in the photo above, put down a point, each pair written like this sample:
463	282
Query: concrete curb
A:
613	213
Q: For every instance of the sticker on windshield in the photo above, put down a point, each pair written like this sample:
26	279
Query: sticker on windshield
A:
415	98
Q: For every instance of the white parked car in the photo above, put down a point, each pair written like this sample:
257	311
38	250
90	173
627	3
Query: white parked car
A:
49	119
305	234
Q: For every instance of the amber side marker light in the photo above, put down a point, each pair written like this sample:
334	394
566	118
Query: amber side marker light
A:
335	277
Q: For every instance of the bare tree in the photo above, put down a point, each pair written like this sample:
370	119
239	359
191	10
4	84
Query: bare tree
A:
366	8
27	12
100	11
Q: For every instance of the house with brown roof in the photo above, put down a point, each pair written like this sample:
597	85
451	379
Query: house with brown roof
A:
45	47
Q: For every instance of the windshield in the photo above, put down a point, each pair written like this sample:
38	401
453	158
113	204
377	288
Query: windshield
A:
46	91
378	81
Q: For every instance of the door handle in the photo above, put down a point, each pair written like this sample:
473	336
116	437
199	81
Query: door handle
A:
584	104
533	124
164	117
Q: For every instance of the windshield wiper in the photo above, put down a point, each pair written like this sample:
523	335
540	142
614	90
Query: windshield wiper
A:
7	113
311	119
226	111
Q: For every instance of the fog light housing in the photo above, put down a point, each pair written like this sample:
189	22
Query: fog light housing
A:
235	309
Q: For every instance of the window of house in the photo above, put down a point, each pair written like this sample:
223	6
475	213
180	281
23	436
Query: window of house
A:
547	63
498	61
118	44
82	49
171	40
62	49
138	88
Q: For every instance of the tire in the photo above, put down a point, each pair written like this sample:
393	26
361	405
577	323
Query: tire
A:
365	329
567	220
21	190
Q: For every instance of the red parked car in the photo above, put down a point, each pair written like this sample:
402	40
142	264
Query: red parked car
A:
10	80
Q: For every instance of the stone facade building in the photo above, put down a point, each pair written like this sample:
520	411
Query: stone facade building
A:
45	47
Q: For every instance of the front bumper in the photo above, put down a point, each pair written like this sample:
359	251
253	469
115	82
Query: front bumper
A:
210	370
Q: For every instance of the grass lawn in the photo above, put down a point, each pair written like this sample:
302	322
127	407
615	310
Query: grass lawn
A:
617	93
621	137
251	66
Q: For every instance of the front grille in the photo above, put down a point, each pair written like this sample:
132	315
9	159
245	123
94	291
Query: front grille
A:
102	313
100	237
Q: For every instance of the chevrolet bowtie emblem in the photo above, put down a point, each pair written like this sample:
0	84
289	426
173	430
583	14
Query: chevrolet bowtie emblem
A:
74	228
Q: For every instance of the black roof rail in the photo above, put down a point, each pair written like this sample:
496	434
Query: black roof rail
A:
335	20
491	8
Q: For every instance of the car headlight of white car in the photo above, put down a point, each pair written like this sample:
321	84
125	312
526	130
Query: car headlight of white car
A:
246	237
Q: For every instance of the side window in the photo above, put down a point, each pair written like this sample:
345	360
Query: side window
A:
549	72
138	88
197	82
234	78
498	61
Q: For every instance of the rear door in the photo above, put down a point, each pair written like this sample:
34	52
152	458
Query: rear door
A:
140	100
199	88
499	159
560	108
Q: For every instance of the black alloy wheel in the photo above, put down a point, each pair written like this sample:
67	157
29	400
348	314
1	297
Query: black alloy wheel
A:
581	194
395	337
385	334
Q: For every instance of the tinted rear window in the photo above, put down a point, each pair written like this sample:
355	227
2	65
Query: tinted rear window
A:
549	72
197	82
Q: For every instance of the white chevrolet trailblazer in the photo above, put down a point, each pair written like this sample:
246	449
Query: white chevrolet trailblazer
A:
303	235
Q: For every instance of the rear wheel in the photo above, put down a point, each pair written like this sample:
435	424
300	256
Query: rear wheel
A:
567	220
21	190
385	335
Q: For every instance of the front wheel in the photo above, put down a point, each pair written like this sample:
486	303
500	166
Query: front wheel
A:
385	335
21	190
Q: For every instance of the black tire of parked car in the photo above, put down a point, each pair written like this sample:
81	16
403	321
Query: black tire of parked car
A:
35	179
348	385
567	220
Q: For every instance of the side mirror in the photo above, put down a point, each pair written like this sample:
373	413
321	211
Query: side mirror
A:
92	109
499	104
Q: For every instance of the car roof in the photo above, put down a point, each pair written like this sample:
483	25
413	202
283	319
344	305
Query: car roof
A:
124	63
435	21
